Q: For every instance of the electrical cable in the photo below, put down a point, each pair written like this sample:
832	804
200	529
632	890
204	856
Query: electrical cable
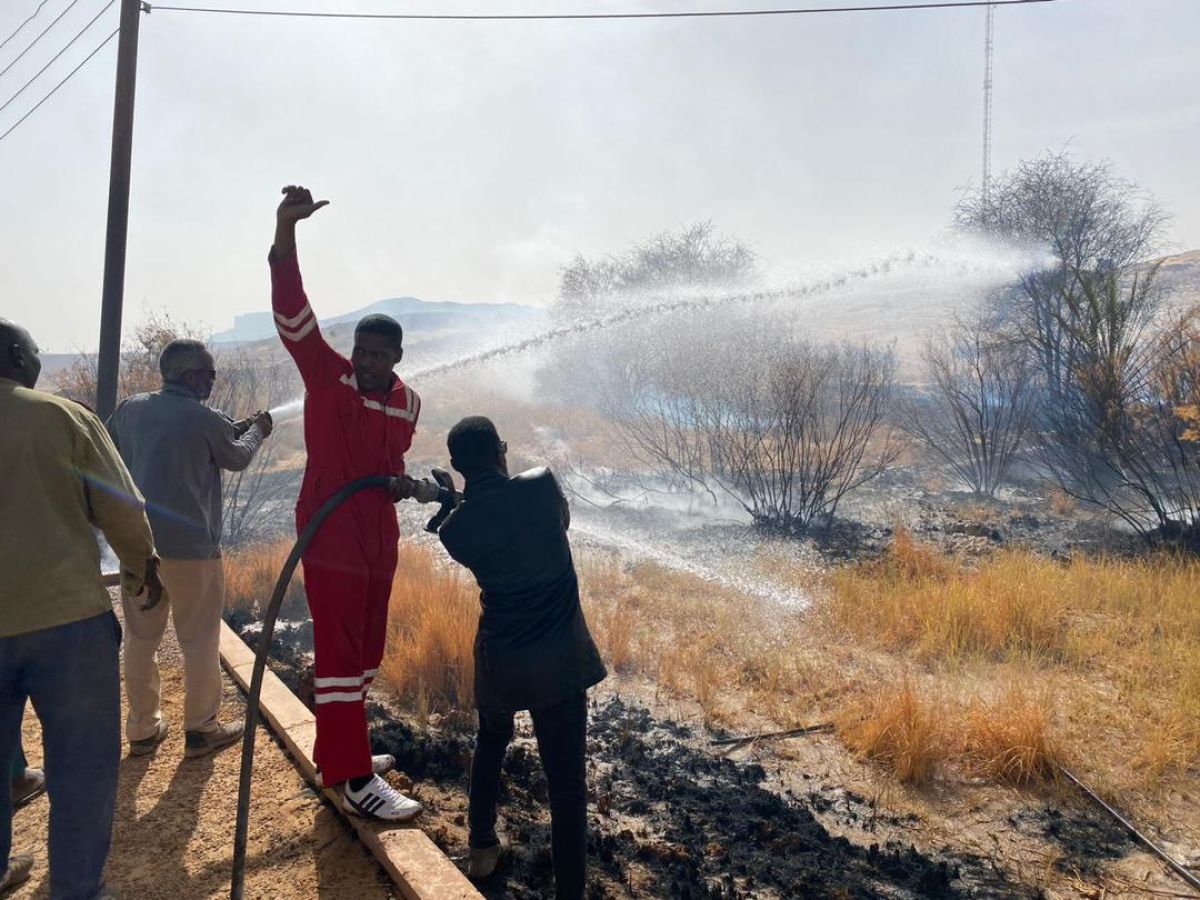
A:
1142	839
4	43
241	829
692	14
54	58
33	44
60	84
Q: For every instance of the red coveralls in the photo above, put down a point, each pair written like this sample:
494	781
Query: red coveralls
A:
349	566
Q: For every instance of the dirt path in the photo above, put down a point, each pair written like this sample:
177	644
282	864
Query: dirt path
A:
173	837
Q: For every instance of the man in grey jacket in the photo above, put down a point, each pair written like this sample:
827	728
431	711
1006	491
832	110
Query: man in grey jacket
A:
175	447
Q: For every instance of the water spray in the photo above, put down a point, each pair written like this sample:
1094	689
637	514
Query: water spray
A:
888	265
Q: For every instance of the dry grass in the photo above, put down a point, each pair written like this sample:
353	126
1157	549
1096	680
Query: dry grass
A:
915	731
1008	738
900	728
1062	503
250	575
998	668
429	659
739	659
1117	641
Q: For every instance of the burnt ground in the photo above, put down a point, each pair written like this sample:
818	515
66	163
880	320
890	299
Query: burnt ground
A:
667	820
958	521
672	818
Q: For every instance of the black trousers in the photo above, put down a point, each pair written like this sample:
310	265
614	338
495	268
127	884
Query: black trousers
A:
562	740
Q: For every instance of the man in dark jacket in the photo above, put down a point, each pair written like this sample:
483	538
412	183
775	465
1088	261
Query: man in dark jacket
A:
533	650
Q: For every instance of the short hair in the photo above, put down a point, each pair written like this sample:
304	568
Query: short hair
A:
377	323
179	357
473	444
10	333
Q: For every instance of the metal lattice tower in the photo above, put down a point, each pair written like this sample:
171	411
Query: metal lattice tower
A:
988	44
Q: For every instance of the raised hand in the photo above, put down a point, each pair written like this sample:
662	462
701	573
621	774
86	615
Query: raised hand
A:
297	204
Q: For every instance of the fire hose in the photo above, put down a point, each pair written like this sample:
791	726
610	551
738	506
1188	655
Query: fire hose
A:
446	497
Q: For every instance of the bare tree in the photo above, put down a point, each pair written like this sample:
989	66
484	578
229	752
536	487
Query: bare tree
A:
138	370
696	257
1124	437
256	496
979	403
1089	223
784	427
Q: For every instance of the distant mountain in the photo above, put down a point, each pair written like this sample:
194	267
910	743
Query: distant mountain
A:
414	315
1182	273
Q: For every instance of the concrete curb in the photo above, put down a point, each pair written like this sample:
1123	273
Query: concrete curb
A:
414	862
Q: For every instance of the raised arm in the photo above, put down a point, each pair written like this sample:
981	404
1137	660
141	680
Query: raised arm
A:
294	318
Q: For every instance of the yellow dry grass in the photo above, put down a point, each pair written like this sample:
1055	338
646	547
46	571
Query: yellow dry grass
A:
915	731
899	728
998	668
1115	641
429	660
250	575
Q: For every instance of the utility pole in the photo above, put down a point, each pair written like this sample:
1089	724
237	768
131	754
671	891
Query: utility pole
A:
988	46
109	363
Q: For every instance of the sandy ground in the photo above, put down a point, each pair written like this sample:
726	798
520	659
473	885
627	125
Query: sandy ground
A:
173	836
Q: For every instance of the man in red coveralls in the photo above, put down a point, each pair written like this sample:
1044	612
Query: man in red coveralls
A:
359	419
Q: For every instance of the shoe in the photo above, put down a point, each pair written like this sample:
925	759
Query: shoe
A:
379	800
28	787
380	765
19	867
482	861
202	743
146	746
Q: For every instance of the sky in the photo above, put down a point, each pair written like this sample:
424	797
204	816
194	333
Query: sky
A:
470	161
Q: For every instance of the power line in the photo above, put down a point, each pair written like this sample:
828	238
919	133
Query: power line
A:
38	38
23	24
694	14
60	84
53	59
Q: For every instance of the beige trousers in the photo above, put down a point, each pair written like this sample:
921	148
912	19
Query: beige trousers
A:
194	594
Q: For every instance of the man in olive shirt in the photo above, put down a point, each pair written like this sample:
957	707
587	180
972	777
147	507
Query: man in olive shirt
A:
533	650
176	448
59	639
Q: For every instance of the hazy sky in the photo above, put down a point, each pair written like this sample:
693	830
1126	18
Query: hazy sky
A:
470	160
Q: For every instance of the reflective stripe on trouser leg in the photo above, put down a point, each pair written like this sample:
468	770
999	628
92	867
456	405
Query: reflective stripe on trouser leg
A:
337	598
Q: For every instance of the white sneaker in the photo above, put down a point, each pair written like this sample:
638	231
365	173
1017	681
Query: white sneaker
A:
379	800
380	765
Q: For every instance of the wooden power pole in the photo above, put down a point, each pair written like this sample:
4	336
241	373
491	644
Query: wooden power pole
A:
109	364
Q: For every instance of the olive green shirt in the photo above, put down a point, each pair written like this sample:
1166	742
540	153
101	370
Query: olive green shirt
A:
60	476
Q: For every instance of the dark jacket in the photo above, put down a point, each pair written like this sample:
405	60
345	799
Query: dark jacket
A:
533	648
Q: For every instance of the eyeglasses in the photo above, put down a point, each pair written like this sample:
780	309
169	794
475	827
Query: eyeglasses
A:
504	446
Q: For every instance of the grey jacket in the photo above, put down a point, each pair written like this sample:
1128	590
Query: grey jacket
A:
175	448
